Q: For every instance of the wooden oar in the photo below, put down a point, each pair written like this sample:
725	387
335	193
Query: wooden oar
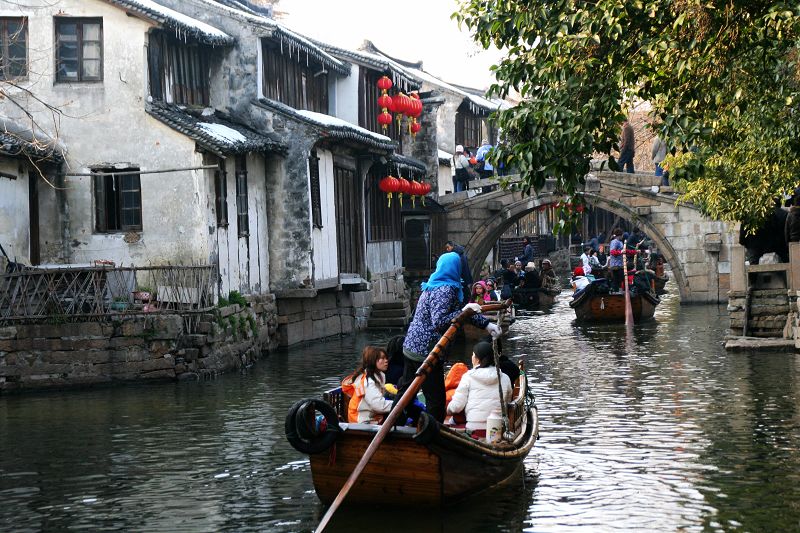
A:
411	392
628	306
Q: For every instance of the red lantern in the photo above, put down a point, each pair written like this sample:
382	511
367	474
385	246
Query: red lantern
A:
415	127
385	102
580	208
401	105
384	83
426	188
405	188
384	119
389	185
415	105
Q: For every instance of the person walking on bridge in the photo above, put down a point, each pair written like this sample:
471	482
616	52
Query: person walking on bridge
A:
627	147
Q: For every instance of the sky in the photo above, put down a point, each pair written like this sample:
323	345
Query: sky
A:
414	30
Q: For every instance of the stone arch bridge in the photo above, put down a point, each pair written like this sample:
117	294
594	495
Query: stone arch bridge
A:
697	248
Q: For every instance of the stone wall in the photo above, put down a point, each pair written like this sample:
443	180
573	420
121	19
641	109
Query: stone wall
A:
330	312
140	347
769	312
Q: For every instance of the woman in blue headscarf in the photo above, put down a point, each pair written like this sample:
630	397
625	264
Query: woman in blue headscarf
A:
438	305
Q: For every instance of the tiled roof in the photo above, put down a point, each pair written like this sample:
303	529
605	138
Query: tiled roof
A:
293	42
182	24
17	140
405	162
401	75
331	127
215	131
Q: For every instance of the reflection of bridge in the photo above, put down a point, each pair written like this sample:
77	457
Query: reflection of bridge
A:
697	248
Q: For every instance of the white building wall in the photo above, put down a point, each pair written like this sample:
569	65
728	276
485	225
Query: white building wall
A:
444	180
14	212
105	124
344	103
326	267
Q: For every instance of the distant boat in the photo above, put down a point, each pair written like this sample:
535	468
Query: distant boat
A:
596	304
535	298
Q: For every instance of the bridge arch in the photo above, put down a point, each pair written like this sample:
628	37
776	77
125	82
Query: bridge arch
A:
483	239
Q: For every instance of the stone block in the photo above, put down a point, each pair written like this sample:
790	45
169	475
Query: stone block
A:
289	306
164	327
161	347
194	341
122	342
203	327
132	328
159	374
698	283
7	333
228	310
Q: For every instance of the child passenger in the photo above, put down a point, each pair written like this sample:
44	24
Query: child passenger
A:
366	388
477	393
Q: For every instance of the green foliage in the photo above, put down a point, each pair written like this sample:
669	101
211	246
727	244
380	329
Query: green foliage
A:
722	79
243	325
235	298
253	327
232	324
223	302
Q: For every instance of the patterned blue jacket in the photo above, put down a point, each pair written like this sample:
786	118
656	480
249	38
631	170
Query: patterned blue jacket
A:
435	309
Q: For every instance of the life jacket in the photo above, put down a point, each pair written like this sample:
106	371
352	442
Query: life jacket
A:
356	391
452	380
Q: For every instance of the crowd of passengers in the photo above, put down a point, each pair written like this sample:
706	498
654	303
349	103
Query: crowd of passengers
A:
626	251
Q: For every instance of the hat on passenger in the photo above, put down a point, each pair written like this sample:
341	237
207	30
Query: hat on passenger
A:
530	267
459	148
578	271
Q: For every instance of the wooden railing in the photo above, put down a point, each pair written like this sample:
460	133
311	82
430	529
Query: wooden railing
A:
69	294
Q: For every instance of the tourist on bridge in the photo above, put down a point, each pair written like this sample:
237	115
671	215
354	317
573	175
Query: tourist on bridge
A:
460	165
484	168
438	305
627	147
658	153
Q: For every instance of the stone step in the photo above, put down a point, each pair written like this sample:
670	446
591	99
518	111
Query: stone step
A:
400	322
390	313
397	304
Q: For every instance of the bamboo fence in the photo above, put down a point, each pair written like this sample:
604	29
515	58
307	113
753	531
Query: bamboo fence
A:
103	293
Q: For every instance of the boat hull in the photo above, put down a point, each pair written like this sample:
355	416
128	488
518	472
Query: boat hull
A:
534	299
593	307
659	284
449	467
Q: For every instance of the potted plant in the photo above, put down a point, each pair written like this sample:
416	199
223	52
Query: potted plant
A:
120	303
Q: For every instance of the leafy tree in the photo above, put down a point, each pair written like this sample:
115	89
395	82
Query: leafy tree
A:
722	78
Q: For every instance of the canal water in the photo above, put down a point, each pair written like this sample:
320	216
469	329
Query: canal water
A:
662	432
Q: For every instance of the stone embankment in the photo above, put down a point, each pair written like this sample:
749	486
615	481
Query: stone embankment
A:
137	347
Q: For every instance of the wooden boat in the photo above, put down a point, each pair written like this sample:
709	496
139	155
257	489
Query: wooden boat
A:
534	299
429	465
474	334
597	305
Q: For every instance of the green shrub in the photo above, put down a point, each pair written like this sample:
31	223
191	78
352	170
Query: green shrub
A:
235	298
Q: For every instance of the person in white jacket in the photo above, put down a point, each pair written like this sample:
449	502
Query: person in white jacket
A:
477	394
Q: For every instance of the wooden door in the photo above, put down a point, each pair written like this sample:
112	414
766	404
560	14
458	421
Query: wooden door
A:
33	210
348	221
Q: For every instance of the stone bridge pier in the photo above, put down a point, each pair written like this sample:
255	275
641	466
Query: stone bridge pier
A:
697	248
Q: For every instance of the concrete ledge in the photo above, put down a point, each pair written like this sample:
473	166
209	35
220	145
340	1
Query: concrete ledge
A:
754	344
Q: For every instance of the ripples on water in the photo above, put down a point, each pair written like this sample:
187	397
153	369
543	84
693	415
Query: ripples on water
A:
663	432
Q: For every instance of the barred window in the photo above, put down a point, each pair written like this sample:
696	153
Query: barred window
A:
13	47
179	71
221	195
242	216
384	221
316	202
293	78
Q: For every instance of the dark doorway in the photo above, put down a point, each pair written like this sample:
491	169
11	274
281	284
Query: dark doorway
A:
348	221
417	243
33	210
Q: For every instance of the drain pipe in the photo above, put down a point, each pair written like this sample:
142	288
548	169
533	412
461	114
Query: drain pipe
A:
63	213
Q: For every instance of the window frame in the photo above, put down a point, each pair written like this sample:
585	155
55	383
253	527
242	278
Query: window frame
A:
107	179
5	41
79	22
242	209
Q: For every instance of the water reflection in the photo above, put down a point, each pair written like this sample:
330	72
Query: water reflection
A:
662	431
